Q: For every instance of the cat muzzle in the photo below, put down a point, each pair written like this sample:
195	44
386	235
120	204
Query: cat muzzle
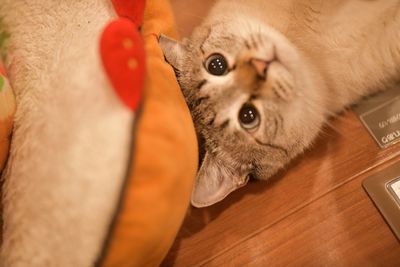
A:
261	67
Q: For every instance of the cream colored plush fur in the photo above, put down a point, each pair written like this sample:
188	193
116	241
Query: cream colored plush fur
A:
72	135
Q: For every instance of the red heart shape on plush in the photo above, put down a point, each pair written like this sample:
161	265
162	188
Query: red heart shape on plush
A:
123	55
130	9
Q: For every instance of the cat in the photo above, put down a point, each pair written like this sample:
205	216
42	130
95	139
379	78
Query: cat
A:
261	77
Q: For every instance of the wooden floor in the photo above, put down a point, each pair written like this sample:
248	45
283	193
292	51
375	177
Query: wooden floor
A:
314	214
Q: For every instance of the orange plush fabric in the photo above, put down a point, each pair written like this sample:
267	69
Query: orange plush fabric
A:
164	162
7	109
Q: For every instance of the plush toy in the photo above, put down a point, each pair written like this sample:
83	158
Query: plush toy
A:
103	153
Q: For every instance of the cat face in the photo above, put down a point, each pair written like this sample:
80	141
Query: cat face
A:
253	99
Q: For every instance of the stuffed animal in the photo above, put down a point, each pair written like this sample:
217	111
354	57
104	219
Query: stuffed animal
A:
103	153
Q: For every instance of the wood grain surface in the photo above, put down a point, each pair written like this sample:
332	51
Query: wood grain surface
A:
315	213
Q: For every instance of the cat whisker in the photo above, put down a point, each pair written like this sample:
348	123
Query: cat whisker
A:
273	146
338	118
330	114
342	135
334	116
316	106
333	127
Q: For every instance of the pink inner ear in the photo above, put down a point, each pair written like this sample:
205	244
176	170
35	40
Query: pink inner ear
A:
208	193
123	55
214	182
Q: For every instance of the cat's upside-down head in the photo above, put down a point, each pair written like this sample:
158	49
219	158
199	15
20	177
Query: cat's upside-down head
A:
253	98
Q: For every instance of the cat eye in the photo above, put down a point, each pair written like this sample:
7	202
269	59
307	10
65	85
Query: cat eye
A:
249	117
216	65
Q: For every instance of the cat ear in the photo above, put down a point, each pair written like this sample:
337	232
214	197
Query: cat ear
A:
173	50
214	182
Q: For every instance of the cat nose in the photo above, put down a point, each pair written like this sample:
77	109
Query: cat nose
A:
261	67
